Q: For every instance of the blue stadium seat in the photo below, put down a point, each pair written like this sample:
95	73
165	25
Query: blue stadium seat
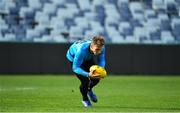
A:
125	29
76	31
149	13
98	2
100	11
140	34
158	5
175	23
6	6
10	37
122	2
35	4
2	39
96	27
137	11
90	16
57	23
118	39
111	11
31	33
178	2
171	7
153	22
131	40
136	7
58	27
58	3
3	8
72	7
3	25
45	38
175	27
71	1
81	22
136	23
59	39
123	8
84	4
165	22
21	3
69	22
112	1
1	35
10	20
66	13
112	31
26	13
154	34
89	34
20	34
110	21
163	17
14	10
148	3
42	19
49	9
167	37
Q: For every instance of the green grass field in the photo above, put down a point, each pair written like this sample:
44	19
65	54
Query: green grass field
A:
115	94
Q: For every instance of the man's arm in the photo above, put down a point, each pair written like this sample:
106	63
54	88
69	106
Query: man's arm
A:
101	61
78	60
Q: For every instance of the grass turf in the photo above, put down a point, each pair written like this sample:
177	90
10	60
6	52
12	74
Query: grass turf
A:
115	94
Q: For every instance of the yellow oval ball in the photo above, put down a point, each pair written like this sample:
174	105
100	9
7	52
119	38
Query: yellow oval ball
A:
99	70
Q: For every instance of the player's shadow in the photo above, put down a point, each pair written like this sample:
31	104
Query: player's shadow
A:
146	108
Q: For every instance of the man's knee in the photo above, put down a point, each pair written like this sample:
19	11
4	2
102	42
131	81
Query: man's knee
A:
95	80
85	83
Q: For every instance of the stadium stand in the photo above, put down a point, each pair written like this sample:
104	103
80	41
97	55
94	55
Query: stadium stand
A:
119	21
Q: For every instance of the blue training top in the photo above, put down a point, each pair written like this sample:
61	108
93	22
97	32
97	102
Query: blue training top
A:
79	52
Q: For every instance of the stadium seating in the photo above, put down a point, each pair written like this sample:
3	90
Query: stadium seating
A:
119	21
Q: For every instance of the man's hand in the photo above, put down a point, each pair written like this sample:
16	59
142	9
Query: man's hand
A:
93	75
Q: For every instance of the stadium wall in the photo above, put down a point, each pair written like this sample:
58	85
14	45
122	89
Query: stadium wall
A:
43	58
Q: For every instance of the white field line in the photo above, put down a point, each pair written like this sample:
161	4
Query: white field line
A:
18	88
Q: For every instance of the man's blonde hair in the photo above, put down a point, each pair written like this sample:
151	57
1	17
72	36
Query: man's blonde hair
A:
98	40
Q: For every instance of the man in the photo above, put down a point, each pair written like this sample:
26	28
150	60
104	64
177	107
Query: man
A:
82	55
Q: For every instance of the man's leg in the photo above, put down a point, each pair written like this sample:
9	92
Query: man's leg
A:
84	86
84	90
86	66
93	82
